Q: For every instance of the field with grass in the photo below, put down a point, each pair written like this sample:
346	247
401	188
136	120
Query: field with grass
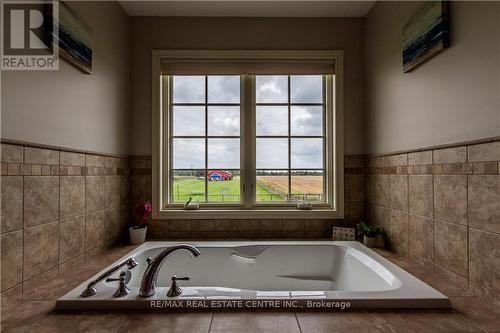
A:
269	188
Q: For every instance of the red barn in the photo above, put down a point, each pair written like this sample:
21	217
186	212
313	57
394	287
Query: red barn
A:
218	175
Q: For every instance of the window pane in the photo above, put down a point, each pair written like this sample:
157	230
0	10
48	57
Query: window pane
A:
271	89
224	120
188	153
271	153
307	120
307	185
189	89
224	153
272	185
223	185
188	183
306	88
307	153
223	89
271	120
188	120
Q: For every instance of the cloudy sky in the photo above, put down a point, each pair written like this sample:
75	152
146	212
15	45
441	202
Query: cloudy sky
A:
225	121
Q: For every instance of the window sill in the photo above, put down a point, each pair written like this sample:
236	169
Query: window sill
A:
247	214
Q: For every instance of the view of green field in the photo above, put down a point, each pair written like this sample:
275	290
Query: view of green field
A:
269	188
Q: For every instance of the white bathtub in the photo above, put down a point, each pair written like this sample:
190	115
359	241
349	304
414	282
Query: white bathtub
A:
302	275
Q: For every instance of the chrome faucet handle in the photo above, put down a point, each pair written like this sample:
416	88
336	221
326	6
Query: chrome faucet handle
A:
127	275
175	290
122	290
184	278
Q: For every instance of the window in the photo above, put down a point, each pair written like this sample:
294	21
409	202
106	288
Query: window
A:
290	140
205	139
246	138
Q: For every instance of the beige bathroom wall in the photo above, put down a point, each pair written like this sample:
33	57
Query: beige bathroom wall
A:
453	97
150	33
71	109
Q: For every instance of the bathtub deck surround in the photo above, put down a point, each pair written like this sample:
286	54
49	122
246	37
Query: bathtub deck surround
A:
259	275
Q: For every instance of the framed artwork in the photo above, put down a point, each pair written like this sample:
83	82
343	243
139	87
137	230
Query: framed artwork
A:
75	40
426	34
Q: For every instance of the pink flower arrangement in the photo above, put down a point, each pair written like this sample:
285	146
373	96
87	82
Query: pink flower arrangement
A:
143	212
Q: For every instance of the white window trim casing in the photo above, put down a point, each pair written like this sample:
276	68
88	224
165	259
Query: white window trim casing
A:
336	141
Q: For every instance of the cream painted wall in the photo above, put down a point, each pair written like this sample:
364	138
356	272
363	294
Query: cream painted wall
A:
150	33
71	109
453	97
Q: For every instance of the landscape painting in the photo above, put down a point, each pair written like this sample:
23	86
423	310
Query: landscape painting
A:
75	40
425	35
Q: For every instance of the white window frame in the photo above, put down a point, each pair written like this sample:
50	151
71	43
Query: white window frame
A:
334	155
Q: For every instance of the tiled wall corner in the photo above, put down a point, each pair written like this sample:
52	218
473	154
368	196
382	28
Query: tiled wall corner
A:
46	197
453	201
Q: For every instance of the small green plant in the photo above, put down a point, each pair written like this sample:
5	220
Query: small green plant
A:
370	230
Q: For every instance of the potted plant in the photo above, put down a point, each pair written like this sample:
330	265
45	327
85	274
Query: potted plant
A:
370	233
138	232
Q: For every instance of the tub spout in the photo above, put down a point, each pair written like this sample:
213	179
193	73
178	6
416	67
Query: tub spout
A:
148	283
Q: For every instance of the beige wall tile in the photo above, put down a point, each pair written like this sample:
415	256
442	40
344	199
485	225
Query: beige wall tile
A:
225	225
41	249
181	225
484	265
267	225
41	156
398	231
484	152
14	169
421	239
420	193
355	212
203	225
41	200
112	191
12	259
381	189
71	238
72	197
420	158
94	161
113	225
450	155
73	159
484	202
11	153
397	160
11	209
95	193
450	246
381	215
355	187
293	225
398	189
450	198
94	230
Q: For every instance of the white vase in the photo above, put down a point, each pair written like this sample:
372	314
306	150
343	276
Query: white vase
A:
137	235
369	241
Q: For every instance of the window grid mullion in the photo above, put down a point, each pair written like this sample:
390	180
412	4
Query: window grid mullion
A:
289	144
206	139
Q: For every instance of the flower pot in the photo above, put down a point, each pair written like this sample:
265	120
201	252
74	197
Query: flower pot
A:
369	241
137	235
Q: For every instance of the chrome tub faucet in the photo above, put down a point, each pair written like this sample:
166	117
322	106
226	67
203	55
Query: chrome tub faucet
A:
148	283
